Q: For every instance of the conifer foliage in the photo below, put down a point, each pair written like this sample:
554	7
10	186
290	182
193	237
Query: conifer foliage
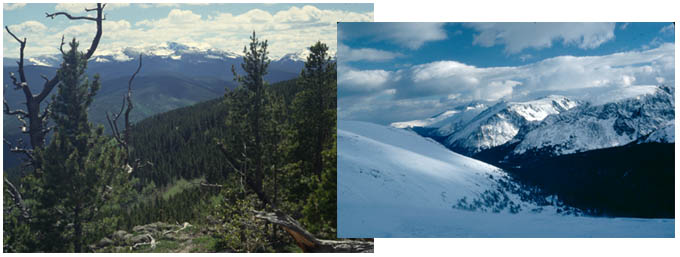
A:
79	178
280	148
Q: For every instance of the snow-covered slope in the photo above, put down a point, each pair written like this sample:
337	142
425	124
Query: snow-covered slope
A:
395	183
666	134
600	126
446	122
393	167
501	123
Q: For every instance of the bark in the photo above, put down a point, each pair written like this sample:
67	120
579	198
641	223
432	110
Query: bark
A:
308	242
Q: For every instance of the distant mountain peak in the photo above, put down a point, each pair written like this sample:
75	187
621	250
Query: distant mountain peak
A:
168	50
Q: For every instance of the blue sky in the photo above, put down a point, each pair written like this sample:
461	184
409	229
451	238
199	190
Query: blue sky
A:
402	71
288	27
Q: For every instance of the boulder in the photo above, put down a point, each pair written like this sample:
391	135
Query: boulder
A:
119	236
140	239
104	242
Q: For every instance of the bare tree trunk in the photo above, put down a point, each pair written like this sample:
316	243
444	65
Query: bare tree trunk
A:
308	242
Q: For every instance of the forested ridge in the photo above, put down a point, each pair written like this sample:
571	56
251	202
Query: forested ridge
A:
223	165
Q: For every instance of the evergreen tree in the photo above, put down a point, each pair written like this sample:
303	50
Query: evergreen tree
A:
315	106
81	178
251	103
315	114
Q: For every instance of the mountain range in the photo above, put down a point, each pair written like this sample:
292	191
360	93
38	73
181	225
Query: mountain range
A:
613	156
172	76
551	125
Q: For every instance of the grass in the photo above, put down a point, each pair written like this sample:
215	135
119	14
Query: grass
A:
166	246
204	244
181	185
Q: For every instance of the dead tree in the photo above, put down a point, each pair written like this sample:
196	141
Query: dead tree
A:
36	126
308	242
303	238
123	138
34	120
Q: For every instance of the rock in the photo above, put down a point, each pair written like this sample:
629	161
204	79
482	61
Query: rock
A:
139	228
119	236
104	242
127	238
140	239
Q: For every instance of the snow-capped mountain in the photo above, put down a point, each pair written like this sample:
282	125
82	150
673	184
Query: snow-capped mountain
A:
166	51
666	134
446	121
170	58
477	127
600	126
394	183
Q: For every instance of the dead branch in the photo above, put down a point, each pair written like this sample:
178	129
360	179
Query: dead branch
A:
16	197
123	138
308	242
37	122
152	243
8	111
303	238
248	179
203	184
52	15
20	148
93	46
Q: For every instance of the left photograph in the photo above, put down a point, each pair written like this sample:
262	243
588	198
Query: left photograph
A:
172	127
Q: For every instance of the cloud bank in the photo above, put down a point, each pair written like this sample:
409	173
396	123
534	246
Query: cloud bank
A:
412	35
519	36
290	30
422	89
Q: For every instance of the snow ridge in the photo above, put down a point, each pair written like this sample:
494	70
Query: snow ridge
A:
500	123
600	126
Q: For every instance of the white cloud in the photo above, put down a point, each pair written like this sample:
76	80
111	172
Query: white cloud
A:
452	82
80	7
27	27
151	5
9	7
670	28
519	36
290	30
362	81
525	57
347	54
410	35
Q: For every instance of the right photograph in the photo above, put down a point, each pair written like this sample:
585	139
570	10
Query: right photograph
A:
527	130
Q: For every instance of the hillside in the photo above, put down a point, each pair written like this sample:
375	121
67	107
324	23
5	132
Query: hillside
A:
394	183
152	94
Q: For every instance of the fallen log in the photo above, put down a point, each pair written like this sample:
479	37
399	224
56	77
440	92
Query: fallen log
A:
308	242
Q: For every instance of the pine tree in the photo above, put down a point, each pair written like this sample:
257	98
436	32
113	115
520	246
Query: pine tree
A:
251	102
315	106
81	178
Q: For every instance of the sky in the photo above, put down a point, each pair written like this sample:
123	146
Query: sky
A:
390	72
289	28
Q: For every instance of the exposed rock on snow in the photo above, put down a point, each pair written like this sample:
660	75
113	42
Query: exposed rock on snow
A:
600	126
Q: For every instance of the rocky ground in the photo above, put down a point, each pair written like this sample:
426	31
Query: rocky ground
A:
158	237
